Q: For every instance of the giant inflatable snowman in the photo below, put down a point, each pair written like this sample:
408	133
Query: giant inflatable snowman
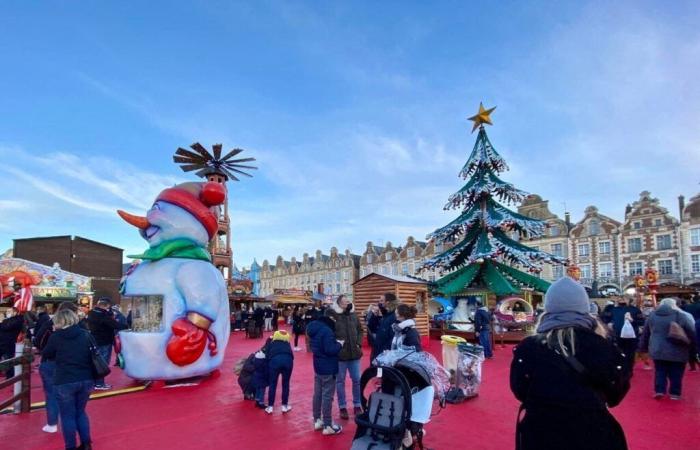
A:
194	330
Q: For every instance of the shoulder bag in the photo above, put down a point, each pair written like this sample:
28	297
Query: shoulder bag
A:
100	368
676	334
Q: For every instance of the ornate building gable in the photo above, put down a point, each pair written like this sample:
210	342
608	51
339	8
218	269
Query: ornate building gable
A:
650	239
691	211
647	213
534	207
389	254
594	223
320	261
371	254
412	249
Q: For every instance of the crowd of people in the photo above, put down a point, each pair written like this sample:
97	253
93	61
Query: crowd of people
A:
66	342
580	358
580	363
334	334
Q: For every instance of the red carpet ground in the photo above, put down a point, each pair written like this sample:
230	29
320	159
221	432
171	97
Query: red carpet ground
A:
214	415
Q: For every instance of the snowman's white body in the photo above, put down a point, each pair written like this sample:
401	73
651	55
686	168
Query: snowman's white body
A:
186	285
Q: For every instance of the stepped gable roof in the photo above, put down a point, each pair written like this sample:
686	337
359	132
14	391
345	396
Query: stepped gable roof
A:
692	209
607	224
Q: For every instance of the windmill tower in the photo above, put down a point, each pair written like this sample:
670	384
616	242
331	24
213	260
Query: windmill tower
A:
218	169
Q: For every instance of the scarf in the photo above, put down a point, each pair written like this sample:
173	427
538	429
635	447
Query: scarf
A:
552	321
177	248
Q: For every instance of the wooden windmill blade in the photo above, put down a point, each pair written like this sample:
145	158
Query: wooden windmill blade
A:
229	174
235	161
190	167
217	151
232	153
188	154
186	160
199	148
240	166
239	171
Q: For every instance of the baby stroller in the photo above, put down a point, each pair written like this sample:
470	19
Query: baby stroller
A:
252	330
245	368
395	413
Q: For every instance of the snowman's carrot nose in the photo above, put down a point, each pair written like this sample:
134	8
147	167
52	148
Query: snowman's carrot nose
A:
137	221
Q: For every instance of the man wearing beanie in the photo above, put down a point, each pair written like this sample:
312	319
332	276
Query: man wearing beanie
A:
567	376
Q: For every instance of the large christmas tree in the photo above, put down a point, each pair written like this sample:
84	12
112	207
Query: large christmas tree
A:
484	256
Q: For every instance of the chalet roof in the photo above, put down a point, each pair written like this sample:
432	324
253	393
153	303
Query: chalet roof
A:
73	238
397	278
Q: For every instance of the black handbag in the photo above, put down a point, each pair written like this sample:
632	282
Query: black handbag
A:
100	367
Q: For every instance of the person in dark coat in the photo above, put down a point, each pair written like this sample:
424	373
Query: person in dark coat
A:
567	376
41	318
405	333
617	316
385	332
349	330
69	346
259	318
482	328
325	349
373	317
669	358
275	319
298	326
10	328
103	327
280	362
311	314
47	369
261	376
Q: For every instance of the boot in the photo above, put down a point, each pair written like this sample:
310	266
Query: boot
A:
344	414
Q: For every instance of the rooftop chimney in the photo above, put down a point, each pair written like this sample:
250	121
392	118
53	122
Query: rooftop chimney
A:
681	206
567	219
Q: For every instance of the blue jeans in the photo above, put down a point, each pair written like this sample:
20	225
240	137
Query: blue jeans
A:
277	367
352	366
485	341
106	352
671	372
322	404
260	395
47	369
72	399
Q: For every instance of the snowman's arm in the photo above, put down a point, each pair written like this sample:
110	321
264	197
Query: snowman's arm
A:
201	286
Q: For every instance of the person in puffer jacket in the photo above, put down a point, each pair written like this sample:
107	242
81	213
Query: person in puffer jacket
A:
325	349
280	361
349	330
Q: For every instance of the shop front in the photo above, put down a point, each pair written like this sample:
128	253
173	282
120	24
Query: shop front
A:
50	285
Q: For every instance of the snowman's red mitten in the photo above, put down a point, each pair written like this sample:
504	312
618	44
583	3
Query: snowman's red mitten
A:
189	339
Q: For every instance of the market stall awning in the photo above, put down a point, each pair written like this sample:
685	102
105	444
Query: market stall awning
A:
288	299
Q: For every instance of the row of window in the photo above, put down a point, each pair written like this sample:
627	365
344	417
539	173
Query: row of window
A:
410	253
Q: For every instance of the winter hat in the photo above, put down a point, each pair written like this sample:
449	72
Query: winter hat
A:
280	335
566	295
197	199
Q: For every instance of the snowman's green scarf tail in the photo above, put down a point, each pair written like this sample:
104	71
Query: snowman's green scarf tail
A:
177	248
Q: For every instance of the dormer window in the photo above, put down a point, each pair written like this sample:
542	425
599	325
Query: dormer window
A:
369	258
388	256
411	252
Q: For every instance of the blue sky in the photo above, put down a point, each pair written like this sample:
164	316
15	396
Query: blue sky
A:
356	111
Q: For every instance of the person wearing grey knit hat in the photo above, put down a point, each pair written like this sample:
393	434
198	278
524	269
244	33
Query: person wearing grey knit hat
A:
566	304
568	367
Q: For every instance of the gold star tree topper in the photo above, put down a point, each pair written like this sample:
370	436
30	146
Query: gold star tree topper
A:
482	117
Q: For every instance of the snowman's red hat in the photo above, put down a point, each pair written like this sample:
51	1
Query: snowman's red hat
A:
197	199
